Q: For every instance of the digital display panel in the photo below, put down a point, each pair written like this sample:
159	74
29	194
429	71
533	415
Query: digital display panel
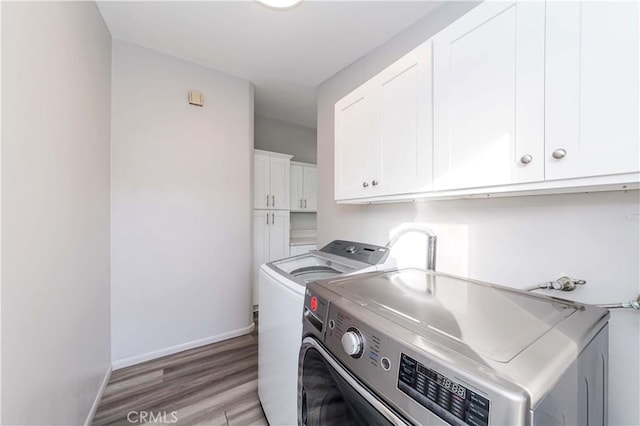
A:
454	387
448	399
443	381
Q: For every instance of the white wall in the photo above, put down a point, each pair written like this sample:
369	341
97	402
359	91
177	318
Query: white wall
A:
280	136
56	78
181	205
517	241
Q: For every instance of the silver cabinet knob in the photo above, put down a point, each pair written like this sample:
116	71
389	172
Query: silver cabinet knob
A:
374	182
365	184
526	159
559	154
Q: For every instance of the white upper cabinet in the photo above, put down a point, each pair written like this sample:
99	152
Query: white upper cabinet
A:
489	97
310	188
296	188
403	113
261	181
592	88
271	180
354	139
383	139
515	97
280	180
304	190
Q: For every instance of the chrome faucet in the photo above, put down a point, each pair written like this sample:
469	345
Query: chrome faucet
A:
432	241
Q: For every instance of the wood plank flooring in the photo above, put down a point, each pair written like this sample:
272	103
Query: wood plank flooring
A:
215	384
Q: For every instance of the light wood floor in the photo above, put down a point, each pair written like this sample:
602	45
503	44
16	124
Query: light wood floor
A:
215	384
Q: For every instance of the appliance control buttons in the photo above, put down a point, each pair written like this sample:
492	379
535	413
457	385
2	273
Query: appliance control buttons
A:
350	249
332	324
352	342
385	363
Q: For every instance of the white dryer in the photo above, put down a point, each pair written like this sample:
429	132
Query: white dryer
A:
281	290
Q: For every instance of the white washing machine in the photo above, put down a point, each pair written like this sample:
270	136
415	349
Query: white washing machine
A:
281	290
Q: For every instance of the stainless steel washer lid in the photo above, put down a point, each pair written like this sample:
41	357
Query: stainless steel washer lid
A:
491	321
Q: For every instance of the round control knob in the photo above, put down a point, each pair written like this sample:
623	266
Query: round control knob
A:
352	343
350	249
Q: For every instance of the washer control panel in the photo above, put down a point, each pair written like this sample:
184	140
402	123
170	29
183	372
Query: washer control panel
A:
355	341
401	377
450	400
366	253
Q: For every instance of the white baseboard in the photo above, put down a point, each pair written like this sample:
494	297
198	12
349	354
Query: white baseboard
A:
137	359
96	402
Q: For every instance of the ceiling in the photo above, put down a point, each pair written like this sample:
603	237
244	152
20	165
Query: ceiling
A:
286	54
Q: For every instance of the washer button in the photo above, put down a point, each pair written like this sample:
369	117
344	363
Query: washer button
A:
332	324
385	363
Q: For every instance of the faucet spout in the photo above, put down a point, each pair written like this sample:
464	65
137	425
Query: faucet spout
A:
432	241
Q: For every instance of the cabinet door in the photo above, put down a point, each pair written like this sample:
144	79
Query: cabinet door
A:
261	193
261	223
489	97
404	126
353	145
278	235
280	181
310	189
296	197
592	88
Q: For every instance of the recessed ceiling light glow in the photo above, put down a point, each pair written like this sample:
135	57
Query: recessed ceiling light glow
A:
280	4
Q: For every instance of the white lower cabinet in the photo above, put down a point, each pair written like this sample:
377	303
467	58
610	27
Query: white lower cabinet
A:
270	240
